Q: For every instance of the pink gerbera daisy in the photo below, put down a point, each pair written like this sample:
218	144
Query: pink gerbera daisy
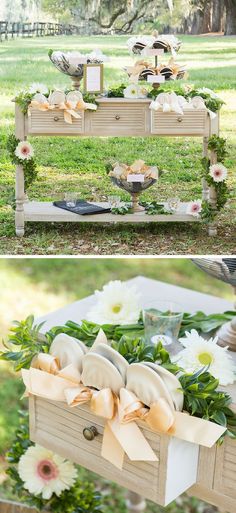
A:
194	208
218	172
24	151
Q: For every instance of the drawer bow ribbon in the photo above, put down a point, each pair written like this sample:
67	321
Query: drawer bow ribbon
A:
122	435
69	108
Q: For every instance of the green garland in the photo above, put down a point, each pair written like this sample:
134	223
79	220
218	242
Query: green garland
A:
24	98
80	498
218	146
29	166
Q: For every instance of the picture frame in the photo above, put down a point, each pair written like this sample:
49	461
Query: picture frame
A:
93	78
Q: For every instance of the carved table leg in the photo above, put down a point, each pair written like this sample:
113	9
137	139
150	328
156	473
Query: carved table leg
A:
135	503
20	198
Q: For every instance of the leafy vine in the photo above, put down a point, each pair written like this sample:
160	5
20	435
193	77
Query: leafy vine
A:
29	165
218	146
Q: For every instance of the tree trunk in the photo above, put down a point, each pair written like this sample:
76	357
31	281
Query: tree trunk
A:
230	22
206	24
217	15
197	23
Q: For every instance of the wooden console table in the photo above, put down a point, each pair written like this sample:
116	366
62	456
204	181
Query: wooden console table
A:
217	466
115	117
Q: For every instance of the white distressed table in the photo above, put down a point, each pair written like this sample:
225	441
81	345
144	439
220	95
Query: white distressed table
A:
217	466
115	117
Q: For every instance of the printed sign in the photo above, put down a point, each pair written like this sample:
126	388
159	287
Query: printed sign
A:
155	79
152	51
135	178
93	78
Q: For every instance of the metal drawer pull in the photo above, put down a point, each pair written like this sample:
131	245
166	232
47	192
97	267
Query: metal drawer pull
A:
179	119
56	118
117	117
90	433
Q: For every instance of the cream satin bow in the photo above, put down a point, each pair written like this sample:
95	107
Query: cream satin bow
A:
121	433
69	108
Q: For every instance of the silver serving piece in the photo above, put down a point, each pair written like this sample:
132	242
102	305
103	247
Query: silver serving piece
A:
223	269
135	189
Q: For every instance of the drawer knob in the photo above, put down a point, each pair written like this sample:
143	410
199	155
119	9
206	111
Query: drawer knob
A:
90	433
117	117
56	118
180	119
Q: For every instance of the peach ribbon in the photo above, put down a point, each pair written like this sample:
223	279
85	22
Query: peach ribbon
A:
121	433
69	108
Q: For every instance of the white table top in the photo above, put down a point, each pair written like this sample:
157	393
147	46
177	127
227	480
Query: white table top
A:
150	290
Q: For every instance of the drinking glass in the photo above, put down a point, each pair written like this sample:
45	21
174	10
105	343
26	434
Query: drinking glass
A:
70	199
162	321
114	201
173	204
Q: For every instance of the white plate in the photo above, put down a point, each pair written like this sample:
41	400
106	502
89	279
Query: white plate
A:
99	373
147	385
172	383
74	96
114	357
67	350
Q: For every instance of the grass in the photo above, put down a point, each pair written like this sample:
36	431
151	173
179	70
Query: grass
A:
36	285
79	164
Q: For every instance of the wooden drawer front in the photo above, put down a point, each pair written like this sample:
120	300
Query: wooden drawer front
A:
225	469
52	122
118	120
60	428
169	123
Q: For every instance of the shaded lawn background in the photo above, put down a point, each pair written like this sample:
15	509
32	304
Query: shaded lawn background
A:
79	164
37	286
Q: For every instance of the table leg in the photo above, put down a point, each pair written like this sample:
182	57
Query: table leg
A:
20	198
212	230
135	503
205	188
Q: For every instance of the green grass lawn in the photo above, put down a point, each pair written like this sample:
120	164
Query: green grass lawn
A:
79	164
41	285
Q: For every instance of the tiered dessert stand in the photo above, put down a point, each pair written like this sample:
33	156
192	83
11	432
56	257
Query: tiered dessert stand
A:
115	117
50	425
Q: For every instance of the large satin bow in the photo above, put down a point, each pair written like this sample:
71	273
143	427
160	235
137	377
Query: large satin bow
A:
69	108
121	433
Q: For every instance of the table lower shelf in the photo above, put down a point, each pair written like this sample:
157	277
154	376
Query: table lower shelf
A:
47	212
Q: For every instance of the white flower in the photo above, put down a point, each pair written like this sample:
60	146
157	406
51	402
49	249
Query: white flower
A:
44	472
24	150
116	304
142	92
38	88
194	208
131	91
200	353
218	172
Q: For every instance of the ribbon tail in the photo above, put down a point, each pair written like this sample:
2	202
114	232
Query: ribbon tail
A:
67	117
198	431
111	448
132	441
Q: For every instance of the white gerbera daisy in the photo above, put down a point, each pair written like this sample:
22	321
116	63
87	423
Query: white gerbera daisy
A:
24	150
36	87
44	472
194	208
116	304
131	91
218	172
200	353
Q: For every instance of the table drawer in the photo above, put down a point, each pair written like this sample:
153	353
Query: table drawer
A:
52	122
118	120
225	469
169	123
60	428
